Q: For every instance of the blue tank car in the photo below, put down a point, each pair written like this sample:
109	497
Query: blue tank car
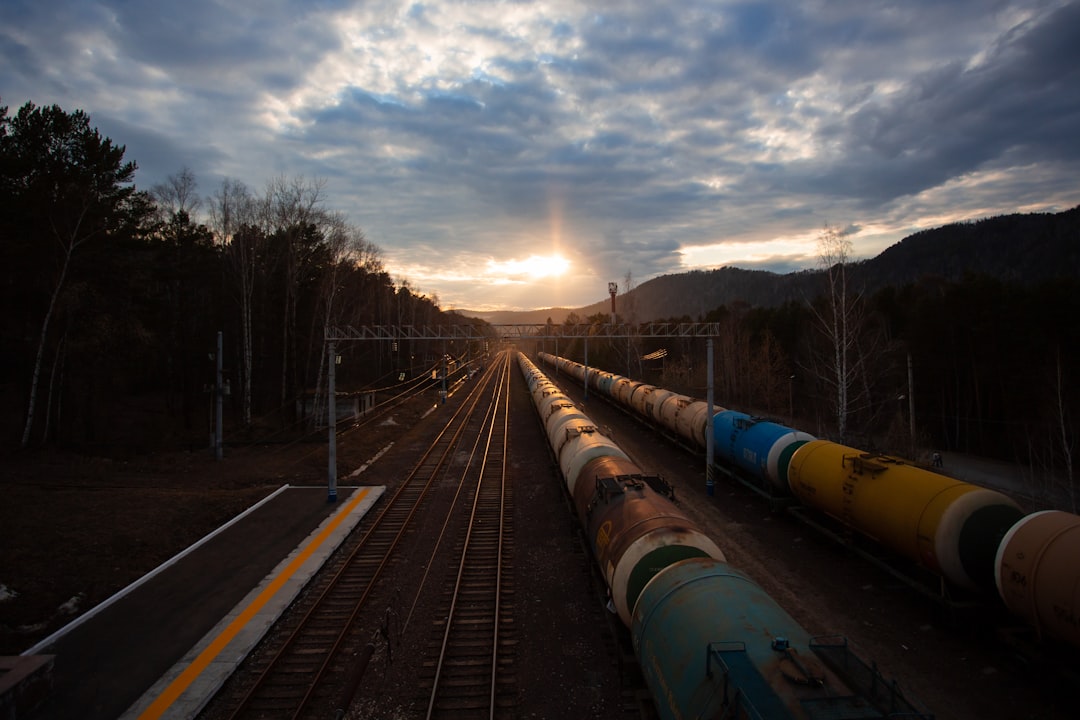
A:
758	447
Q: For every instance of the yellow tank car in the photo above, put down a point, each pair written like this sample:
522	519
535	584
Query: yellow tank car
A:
951	527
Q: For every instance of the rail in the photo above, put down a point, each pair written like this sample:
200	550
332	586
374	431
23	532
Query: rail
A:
313	670
473	674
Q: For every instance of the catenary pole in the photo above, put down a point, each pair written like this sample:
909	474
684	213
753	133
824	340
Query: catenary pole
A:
710	484
331	410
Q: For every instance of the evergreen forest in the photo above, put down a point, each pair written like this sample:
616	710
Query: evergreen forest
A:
114	297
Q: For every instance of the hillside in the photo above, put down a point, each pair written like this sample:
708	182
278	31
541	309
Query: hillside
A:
1019	248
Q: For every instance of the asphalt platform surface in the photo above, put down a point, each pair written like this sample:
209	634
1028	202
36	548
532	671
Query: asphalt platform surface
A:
161	647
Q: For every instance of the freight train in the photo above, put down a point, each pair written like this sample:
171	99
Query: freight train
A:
710	642
976	539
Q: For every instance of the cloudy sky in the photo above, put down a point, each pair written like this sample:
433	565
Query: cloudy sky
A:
523	155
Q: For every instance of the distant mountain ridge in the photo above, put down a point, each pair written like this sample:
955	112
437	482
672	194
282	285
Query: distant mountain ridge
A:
521	317
1019	248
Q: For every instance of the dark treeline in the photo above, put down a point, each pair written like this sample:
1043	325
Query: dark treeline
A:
989	365
113	296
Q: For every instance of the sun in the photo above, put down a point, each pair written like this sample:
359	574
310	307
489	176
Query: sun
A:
548	265
534	267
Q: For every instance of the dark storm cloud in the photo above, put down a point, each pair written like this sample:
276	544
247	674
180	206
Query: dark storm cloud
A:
953	119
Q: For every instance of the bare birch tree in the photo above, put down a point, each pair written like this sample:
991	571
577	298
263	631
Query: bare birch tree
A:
178	194
293	207
1066	436
232	210
839	321
768	373
351	254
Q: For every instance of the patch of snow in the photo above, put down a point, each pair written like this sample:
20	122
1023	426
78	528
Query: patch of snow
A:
71	607
7	593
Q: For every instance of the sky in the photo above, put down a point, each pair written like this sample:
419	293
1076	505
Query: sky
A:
520	155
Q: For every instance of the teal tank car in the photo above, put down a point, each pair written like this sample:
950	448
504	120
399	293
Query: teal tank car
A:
713	644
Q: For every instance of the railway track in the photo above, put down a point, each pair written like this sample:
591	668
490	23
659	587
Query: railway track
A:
472	661
312	664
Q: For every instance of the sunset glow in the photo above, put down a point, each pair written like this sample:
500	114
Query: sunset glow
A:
533	267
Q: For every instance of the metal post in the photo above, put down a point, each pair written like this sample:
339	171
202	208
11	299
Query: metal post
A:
791	400
613	288
219	391
586	397
331	409
709	482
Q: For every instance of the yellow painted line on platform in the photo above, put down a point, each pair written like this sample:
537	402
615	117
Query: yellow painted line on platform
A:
207	656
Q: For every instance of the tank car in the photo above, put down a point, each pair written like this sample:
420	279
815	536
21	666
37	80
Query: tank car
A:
713	644
1037	573
633	529
602	382
652	401
951	527
692	422
575	370
624	389
668	411
682	416
710	642
975	538
760	448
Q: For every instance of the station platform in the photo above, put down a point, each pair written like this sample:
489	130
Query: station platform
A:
162	647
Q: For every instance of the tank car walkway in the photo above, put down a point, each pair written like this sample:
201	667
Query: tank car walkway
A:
161	647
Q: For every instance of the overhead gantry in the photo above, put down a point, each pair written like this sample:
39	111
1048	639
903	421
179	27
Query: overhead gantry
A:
481	331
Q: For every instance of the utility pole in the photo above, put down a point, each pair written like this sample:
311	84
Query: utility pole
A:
613	289
331	422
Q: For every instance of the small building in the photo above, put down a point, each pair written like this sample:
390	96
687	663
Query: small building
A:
350	406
